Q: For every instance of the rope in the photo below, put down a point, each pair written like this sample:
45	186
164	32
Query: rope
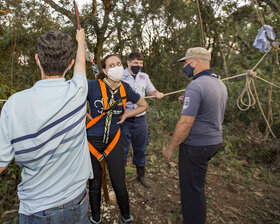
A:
200	20
247	90
260	17
224	79
166	94
250	75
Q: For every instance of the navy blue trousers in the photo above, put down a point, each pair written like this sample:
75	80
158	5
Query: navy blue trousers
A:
135	132
193	164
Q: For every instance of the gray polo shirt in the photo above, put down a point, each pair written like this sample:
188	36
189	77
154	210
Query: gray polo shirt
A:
205	98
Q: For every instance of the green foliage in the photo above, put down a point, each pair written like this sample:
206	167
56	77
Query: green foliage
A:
129	171
9	203
162	30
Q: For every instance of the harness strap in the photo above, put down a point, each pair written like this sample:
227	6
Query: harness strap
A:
123	96
102	158
107	151
103	92
113	143
94	120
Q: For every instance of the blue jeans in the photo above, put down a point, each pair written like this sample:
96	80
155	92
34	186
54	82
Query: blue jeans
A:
73	212
135	132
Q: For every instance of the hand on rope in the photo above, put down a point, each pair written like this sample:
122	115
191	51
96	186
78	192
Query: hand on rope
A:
89	58
165	94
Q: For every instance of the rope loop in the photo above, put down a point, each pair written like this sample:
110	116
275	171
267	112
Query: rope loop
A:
247	91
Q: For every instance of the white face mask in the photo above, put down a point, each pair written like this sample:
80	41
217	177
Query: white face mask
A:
115	73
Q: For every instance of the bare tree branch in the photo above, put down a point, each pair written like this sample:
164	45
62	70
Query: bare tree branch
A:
60	9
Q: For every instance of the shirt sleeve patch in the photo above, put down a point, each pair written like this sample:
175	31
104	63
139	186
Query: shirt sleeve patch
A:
186	102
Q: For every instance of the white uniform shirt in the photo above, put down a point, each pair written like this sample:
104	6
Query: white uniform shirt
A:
141	84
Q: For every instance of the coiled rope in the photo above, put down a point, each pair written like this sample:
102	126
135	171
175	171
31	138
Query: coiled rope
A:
252	96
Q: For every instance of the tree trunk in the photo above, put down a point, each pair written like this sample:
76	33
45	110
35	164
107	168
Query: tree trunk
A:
12	64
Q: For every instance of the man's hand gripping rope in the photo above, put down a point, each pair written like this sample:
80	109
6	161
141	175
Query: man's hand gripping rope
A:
88	54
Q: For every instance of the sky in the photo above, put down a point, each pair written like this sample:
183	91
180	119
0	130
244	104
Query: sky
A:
82	2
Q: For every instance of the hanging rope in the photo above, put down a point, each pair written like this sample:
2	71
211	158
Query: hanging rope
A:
247	90
200	20
257	9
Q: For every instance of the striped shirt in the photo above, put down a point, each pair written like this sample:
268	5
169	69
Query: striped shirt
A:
43	128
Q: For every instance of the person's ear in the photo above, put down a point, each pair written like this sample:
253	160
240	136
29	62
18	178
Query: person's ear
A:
71	64
39	64
37	60
128	63
104	71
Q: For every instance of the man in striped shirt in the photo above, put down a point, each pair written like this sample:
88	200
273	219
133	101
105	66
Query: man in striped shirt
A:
43	128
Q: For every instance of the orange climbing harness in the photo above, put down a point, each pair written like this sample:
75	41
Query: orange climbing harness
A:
102	157
110	147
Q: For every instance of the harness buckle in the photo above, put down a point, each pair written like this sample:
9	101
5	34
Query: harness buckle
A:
101	157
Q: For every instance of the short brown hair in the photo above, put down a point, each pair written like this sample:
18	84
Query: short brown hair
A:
135	56
55	52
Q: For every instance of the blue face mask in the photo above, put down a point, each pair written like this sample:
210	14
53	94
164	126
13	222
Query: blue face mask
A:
188	70
135	69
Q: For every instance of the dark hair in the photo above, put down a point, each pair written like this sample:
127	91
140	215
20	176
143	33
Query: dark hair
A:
101	75
55	52
135	55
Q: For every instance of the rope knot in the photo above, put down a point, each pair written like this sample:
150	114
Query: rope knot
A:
251	74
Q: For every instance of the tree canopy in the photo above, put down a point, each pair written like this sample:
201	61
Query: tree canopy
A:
161	30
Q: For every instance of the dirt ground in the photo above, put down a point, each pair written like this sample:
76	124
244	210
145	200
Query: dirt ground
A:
229	200
236	194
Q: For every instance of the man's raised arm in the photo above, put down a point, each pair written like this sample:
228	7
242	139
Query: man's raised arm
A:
80	64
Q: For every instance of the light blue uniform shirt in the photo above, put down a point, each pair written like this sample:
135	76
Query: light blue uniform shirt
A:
141	84
43	128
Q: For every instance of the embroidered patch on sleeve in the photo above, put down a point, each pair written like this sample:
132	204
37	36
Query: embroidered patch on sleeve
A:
186	103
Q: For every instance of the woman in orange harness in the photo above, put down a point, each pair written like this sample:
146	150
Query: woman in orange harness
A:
107	97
